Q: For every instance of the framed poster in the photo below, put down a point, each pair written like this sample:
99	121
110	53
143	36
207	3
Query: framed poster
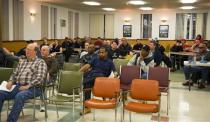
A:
163	31
63	22
127	30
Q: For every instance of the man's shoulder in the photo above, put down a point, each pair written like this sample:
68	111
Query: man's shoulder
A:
39	60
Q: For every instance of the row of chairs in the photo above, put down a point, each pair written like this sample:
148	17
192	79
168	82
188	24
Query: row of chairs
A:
109	88
128	73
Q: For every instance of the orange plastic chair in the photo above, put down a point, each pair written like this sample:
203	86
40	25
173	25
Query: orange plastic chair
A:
104	87
161	74
146	90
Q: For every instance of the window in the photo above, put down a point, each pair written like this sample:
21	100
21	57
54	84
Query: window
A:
146	25
102	25
188	25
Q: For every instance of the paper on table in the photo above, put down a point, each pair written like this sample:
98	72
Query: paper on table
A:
4	88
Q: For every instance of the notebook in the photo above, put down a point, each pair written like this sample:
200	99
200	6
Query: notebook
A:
4	88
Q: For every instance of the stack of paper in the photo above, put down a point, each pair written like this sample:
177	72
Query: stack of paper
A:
4	88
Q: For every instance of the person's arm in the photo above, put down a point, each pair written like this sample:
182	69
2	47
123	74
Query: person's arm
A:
132	60
85	68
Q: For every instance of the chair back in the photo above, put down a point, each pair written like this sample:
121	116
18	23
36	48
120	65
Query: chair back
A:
145	90
5	73
71	66
68	80
128	73
118	63
106	87
161	74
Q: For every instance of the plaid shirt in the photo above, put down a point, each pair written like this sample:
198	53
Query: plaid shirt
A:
30	72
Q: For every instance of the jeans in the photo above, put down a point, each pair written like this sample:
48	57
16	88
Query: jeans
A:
188	70
19	98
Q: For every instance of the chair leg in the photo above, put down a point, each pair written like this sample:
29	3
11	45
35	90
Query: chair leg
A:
45	104
34	107
57	109
73	104
8	108
130	116
115	114
159	116
167	102
94	117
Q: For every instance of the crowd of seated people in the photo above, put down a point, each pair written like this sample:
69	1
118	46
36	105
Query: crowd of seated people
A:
202	56
97	60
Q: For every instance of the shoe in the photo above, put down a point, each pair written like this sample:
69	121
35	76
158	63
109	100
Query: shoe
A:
173	70
201	86
42	109
187	83
86	111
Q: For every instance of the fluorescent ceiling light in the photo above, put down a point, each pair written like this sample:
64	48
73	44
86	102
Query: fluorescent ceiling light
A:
188	1
187	7
136	2
91	3
109	9
146	8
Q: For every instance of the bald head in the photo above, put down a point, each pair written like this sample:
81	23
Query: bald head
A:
30	51
45	51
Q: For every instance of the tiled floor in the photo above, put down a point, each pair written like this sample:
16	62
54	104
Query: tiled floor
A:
186	106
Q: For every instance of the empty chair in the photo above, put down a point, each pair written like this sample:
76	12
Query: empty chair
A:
69	84
161	74
118	63
71	66
128	73
104	87
5	73
146	90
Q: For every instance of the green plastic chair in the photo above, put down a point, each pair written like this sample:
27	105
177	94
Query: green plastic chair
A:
118	63
71	66
5	73
69	82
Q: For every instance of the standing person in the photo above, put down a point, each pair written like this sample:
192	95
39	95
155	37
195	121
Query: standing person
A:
29	73
98	67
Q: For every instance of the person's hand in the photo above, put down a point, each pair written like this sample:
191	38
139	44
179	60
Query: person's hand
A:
24	87
9	85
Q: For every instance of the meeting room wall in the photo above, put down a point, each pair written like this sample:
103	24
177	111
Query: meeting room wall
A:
32	25
128	17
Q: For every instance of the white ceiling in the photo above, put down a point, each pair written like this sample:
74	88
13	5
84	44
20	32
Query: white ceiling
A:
121	4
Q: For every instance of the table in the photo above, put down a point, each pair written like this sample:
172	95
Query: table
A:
181	54
197	63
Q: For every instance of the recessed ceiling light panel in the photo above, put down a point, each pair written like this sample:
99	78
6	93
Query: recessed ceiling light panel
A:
136	2
109	9
187	7
146	8
91	3
188	1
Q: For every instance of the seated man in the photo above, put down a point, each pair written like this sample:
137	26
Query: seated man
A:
188	70
29	72
98	67
52	64
144	60
89	56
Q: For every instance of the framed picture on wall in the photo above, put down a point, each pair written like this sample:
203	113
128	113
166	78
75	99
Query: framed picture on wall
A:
127	30
63	22
163	31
